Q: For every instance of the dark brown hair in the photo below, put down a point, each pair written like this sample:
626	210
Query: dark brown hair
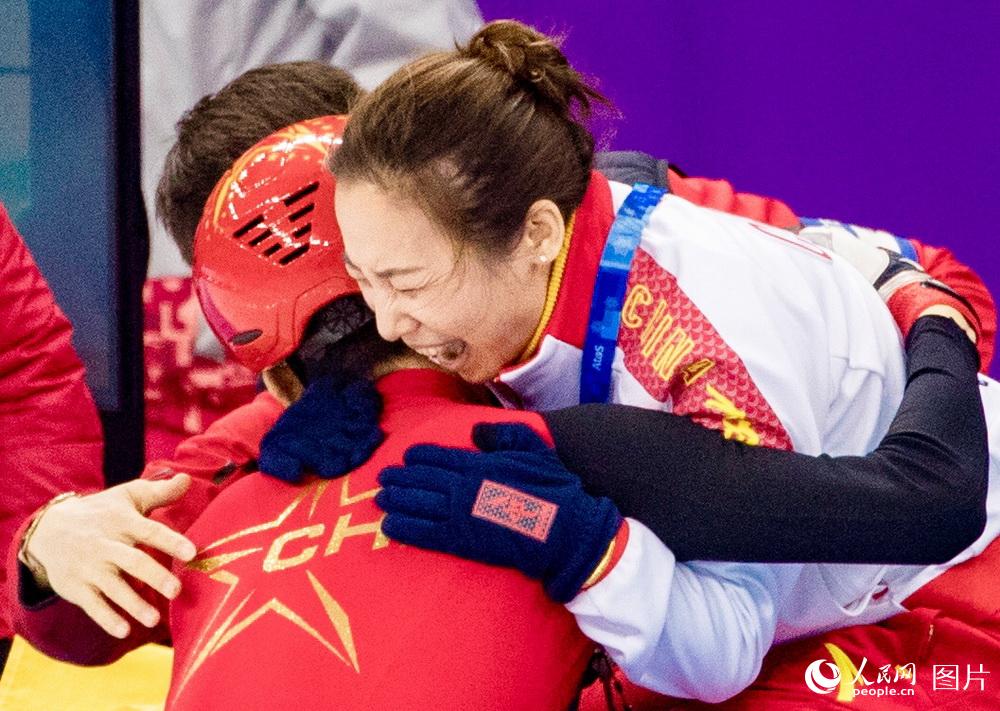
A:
222	126
341	340
477	135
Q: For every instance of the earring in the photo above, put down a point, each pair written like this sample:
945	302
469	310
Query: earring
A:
542	259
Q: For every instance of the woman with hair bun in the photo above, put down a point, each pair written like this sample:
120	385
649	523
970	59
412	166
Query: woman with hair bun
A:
481	237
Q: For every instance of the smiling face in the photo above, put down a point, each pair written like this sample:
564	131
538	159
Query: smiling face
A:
469	312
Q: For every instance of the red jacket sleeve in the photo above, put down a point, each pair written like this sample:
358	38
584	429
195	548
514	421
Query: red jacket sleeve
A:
719	195
51	439
941	264
231	443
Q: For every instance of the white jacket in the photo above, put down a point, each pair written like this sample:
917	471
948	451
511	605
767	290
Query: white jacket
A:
774	341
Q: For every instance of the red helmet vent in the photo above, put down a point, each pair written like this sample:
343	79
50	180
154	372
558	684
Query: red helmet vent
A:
257	220
261	243
299	194
293	255
295	216
259	238
272	208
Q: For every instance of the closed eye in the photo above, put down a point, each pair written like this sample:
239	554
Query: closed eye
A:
355	274
409	287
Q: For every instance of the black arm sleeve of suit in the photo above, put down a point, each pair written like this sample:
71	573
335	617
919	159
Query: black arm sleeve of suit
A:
919	498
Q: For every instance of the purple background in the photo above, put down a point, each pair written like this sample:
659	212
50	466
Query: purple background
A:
884	114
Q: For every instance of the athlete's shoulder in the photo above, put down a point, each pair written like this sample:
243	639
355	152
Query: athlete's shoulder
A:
454	426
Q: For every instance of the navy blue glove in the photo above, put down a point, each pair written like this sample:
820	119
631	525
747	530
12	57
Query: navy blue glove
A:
332	429
512	504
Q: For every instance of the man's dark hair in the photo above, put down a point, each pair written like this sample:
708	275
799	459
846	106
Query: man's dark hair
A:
222	126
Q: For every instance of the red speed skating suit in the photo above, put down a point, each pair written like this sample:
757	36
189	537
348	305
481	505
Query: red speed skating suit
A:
296	599
51	436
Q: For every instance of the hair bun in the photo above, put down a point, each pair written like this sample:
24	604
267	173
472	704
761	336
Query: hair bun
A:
532	59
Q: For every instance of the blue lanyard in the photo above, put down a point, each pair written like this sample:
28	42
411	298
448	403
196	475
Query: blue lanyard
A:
609	291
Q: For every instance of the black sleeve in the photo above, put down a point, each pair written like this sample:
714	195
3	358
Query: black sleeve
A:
920	498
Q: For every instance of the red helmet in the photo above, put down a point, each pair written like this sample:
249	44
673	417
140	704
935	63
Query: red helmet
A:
268	252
